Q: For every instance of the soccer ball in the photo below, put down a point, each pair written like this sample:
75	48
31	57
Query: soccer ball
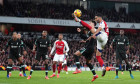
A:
78	13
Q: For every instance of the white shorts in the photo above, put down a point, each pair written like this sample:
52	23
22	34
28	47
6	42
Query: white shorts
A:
101	40
65	62
58	58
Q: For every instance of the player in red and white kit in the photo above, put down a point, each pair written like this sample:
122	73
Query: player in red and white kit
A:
101	35
61	48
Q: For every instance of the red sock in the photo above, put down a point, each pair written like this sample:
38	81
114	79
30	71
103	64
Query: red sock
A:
60	67
66	68
100	60
54	68
86	25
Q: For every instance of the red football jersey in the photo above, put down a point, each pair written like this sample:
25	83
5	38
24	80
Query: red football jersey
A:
59	46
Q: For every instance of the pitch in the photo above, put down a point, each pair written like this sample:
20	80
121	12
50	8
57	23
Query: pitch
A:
85	77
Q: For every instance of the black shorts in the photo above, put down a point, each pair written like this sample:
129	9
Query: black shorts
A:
43	55
121	56
14	56
87	52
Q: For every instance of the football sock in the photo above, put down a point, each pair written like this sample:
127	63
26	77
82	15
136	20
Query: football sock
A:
91	68
20	68
117	68
66	68
86	25
9	68
100	60
60	67
46	68
54	68
31	71
77	61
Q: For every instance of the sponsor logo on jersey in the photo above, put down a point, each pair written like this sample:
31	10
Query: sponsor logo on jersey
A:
14	46
43	45
120	43
124	40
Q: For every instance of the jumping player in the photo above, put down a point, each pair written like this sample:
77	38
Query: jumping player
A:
87	51
101	35
59	46
43	45
121	43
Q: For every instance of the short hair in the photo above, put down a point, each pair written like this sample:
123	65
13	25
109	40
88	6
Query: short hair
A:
45	31
14	32
99	15
19	33
93	21
60	34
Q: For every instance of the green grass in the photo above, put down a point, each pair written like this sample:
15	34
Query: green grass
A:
38	77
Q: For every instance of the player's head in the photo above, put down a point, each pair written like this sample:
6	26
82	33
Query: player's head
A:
44	33
19	36
60	36
85	30
98	17
92	23
14	35
121	32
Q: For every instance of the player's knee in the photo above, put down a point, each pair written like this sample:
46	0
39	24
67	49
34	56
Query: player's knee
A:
10	62
46	61
88	61
54	62
77	53
60	62
98	53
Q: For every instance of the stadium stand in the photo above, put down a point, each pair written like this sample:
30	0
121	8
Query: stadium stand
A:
54	11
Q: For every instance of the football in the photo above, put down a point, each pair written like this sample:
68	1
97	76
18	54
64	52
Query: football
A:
78	13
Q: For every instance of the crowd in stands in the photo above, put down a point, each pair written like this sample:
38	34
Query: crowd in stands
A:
108	54
62	11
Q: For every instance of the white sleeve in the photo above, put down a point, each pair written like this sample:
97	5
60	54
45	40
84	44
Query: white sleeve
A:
54	46
102	25
66	45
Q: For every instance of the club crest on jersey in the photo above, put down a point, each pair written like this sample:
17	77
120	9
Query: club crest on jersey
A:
124	40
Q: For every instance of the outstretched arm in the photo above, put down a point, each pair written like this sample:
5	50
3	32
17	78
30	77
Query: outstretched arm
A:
84	24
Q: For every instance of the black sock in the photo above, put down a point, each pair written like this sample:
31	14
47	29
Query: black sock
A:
9	68
91	68
46	68
33	67
129	68
23	68
122	69
20	67
77	61
117	68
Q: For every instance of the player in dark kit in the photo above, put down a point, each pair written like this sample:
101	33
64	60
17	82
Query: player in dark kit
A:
22	53
43	45
87	51
14	53
121	42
